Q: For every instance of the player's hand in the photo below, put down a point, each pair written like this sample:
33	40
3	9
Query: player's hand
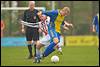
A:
68	24
71	25
39	30
23	30
93	30
45	32
65	27
39	13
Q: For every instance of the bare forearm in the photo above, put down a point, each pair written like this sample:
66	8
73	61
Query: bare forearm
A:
93	28
22	26
66	28
68	24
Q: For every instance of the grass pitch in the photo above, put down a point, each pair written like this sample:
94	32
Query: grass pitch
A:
72	56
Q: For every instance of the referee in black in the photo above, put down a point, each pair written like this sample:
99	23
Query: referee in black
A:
31	33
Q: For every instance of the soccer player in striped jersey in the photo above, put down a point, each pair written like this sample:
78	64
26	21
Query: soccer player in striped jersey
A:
45	41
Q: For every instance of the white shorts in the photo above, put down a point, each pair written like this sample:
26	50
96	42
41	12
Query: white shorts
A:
46	41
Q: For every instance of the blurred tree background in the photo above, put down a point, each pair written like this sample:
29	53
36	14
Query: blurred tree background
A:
81	15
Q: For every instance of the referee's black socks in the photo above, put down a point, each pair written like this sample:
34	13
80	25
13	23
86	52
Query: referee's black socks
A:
30	49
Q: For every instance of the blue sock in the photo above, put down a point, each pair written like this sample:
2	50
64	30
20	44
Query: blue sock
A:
49	49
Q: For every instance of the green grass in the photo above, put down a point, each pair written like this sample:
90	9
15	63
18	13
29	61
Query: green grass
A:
72	56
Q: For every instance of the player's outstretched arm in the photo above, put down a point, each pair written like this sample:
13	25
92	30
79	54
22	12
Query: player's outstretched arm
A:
68	24
65	27
22	27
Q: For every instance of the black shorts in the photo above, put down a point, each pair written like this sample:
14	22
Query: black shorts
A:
32	34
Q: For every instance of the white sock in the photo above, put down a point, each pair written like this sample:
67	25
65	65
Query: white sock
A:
38	53
60	49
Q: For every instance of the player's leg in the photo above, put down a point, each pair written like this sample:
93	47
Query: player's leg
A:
50	48
59	45
35	37
29	42
30	49
38	52
42	42
59	48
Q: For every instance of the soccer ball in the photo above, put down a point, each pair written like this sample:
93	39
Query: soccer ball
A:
54	59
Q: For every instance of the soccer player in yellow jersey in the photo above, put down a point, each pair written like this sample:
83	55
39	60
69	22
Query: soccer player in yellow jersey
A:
54	27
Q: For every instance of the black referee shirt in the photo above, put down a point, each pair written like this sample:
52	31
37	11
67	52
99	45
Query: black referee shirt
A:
31	16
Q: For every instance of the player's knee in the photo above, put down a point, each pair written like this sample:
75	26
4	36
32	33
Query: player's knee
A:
56	40
29	42
38	46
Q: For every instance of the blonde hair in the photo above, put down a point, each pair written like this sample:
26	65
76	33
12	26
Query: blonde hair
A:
66	9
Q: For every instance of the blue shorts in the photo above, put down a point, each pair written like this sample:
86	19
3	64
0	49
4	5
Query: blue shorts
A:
54	34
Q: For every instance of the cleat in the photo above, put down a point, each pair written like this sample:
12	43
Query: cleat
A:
37	60
60	53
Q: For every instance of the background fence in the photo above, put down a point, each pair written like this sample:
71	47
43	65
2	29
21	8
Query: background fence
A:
81	16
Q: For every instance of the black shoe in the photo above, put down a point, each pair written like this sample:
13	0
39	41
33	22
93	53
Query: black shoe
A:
60	53
30	57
